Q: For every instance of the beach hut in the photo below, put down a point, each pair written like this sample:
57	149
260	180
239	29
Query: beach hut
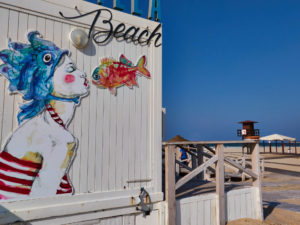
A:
85	146
278	137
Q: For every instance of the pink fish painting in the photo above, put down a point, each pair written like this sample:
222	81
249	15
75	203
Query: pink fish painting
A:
112	74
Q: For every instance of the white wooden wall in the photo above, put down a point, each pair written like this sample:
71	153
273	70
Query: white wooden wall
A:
157	217
197	210
119	137
201	209
241	204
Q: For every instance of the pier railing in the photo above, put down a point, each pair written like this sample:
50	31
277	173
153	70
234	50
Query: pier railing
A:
216	157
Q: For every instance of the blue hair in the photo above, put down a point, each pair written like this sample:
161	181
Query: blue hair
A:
29	68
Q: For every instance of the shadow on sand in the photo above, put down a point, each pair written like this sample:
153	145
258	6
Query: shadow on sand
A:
281	171
268	207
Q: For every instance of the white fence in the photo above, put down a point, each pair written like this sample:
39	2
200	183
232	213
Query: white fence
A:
217	208
201	209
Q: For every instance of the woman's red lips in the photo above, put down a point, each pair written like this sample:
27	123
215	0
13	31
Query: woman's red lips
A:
85	82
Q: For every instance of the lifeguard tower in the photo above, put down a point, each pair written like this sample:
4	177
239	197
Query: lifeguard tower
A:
248	132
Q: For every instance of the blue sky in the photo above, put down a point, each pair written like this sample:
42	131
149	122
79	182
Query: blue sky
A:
228	61
225	61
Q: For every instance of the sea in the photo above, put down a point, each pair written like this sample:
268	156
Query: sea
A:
273	143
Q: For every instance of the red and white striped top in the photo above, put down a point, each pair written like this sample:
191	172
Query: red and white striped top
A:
17	177
54	115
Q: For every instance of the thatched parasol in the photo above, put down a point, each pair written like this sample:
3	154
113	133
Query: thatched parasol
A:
177	138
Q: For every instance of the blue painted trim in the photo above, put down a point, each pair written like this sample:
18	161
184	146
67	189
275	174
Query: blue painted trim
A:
135	9
154	10
118	5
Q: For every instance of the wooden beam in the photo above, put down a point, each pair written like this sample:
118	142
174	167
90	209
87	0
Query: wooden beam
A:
195	172
210	149
211	169
257	182
240	167
235	175
183	165
220	185
194	159
262	168
200	160
207	155
170	183
244	166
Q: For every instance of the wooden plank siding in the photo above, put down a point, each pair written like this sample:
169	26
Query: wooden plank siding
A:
197	210
128	218
201	209
240	204
119	136
113	131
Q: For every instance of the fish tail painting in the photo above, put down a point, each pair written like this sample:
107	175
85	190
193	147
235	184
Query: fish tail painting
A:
112	74
141	67
36	158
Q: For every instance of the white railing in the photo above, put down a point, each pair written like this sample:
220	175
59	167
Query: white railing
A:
217	157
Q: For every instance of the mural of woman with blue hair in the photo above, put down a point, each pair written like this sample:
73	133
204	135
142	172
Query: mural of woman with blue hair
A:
36	158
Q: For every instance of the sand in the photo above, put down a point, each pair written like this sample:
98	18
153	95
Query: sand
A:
278	216
295	201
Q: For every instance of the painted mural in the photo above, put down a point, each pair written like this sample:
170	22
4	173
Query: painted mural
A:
36	158
112	74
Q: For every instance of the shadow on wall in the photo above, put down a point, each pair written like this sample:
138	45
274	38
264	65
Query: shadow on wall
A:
7	217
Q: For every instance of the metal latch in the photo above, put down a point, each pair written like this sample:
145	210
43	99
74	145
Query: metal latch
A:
145	204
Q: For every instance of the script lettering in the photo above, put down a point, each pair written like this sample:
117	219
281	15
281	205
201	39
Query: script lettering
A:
120	31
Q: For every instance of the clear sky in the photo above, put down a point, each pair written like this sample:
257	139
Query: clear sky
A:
228	61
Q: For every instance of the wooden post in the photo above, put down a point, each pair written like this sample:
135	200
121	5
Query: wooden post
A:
177	157
264	146
220	185
244	166
270	147
200	160
295	147
177	170
282	144
289	147
276	145
262	168
257	182
170	183
194	159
